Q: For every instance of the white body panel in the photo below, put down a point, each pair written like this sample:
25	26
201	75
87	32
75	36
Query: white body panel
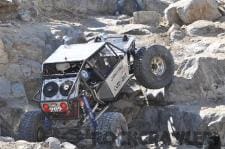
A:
75	52
118	77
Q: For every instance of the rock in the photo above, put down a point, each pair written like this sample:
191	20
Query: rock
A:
53	143
85	144
124	21
185	123
8	9
77	6
9	118
147	17
67	145
128	108
24	144
3	57
1	44
99	6
176	35
9	143
198	10
135	29
3	103
197	48
175	32
216	47
12	70
171	15
23	72
6	139
155	5
198	79
18	90
173	28
3	54
188	11
25	16
123	17
142	31
5	88
68	34
204	28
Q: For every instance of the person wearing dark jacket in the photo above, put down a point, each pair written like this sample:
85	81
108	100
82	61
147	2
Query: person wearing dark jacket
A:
120	4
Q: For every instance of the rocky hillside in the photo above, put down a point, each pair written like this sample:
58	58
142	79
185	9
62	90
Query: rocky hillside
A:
193	30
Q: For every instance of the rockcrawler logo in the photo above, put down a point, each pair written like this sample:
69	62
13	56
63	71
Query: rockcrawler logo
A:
119	83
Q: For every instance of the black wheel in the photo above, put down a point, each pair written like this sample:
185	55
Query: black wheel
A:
32	127
154	67
111	129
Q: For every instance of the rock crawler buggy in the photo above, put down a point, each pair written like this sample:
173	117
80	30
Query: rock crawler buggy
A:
80	81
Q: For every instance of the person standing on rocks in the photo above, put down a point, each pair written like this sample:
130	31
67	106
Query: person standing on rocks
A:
119	7
120	4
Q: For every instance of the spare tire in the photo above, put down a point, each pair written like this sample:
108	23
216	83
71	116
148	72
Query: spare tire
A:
154	67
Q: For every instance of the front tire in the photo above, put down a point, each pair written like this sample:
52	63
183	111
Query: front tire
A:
32	127
110	130
154	67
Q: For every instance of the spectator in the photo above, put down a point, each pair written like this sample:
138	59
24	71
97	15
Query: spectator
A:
120	4
137	5
119	7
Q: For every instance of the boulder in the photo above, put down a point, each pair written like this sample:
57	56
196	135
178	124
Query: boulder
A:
18	90
184	124
67	145
204	28
134	29
8	9
175	32
6	139
99	6
141	31
124	21
3	54
74	6
147	17
156	5
53	143
5	88
216	47
171	15
85	144
199	78
173	28
9	118
9	143
177	35
188	11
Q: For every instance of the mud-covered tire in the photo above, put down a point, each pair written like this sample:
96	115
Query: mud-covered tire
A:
32	127
111	129
154	67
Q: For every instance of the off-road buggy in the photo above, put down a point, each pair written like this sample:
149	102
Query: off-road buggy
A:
80	81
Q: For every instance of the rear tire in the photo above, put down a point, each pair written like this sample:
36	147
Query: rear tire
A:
154	67
32	127
110	130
